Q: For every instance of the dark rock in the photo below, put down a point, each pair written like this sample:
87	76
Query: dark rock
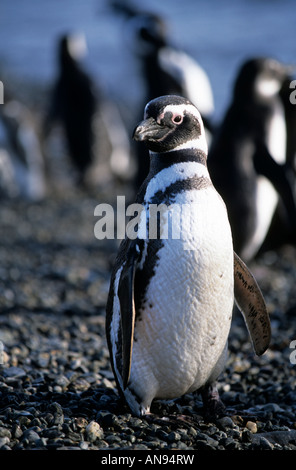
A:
277	437
30	435
14	372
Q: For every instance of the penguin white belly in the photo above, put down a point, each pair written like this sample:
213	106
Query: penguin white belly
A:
184	325
277	135
266	202
266	196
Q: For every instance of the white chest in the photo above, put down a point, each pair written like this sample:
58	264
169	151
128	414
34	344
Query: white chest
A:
267	197
186	318
276	134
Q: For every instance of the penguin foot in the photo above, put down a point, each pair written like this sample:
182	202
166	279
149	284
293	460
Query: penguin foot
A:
214	408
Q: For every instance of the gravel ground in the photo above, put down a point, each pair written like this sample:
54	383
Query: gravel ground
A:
56	387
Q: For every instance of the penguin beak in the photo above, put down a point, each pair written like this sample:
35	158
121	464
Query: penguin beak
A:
149	130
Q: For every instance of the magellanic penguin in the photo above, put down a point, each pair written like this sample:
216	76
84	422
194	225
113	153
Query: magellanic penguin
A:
74	102
95	134
247	158
171	297
166	69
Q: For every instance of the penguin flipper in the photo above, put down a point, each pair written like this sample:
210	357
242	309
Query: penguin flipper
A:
127	308
250	301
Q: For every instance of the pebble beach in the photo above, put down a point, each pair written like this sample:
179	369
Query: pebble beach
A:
57	390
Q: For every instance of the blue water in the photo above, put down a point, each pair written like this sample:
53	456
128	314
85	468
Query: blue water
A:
220	34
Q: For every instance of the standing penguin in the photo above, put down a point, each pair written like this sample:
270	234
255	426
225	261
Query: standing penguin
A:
281	233
74	102
247	159
95	133
171	297
166	69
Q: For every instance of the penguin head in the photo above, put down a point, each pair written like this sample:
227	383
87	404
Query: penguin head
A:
72	48
260	79
171	122
146	33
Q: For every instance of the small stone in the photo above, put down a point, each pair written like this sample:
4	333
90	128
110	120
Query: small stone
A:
83	445
107	383
273	407
62	381
80	422
41	442
251	426
107	420
203	445
58	414
229	443
173	436
52	433
4	441
4	432
13	371
30	435
225	423
161	434
246	435
264	444
181	445
16	431
94	431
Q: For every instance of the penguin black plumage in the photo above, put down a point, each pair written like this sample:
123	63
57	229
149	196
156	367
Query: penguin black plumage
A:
171	293
247	158
166	69
74	102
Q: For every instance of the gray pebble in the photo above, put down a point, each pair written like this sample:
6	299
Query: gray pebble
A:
83	445
264	444
14	372
173	436
203	445
225	423
4	432
16	431
4	441
30	435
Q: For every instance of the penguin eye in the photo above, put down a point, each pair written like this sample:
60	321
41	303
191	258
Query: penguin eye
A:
177	118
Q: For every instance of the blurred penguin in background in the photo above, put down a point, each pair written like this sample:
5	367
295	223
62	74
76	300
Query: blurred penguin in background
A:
74	102
280	233
247	160
96	137
166	69
22	169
